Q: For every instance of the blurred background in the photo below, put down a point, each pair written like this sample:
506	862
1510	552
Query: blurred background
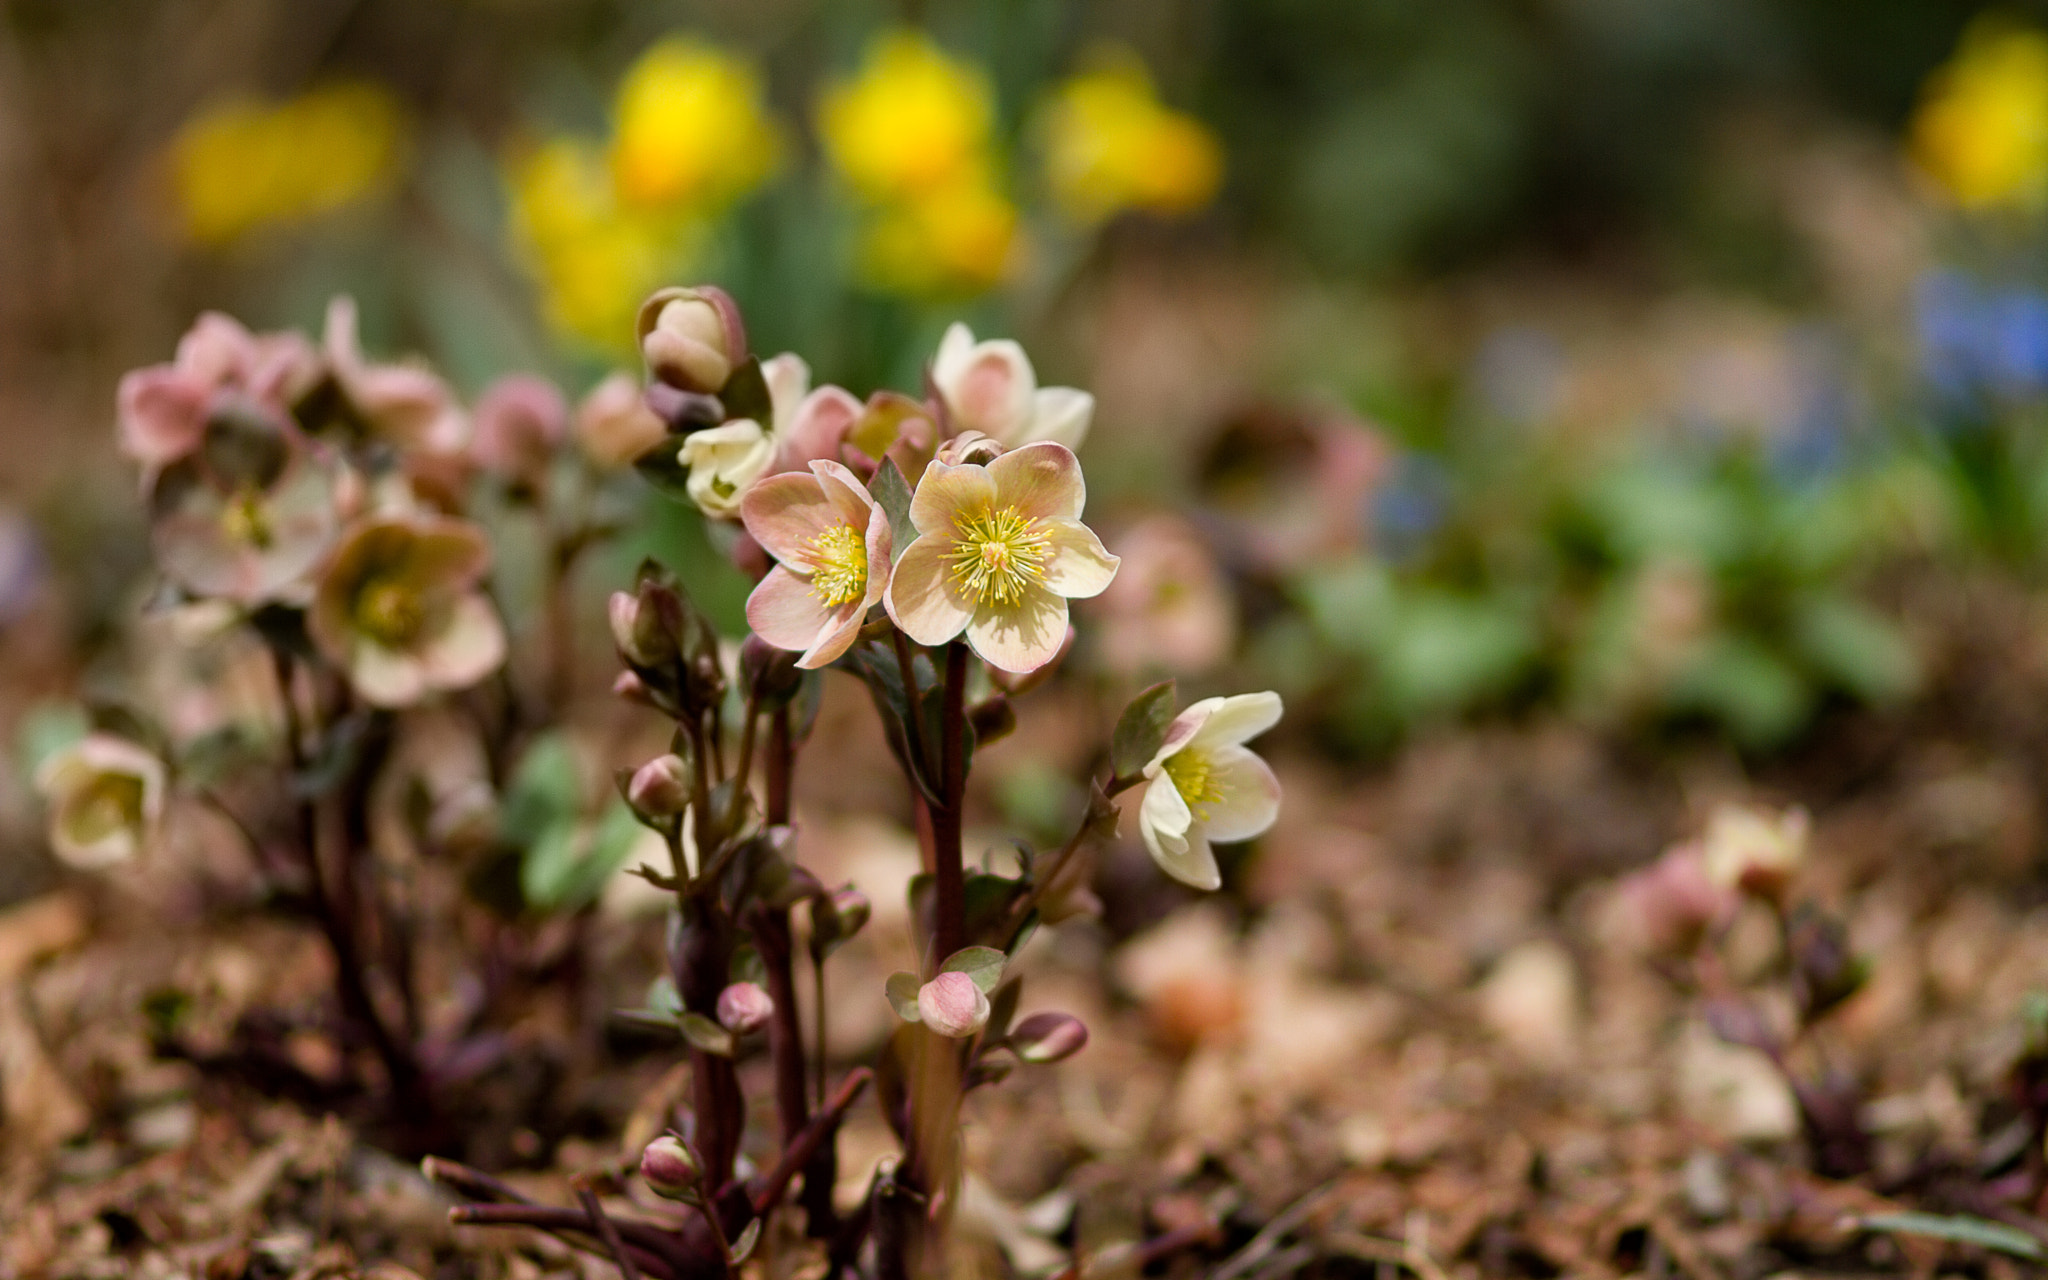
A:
1640	363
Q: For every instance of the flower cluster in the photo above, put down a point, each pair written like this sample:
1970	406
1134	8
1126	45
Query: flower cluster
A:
600	224
241	166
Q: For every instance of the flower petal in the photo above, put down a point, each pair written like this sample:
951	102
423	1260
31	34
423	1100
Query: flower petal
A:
784	512
1021	636
784	611
1043	481
954	350
470	645
1079	566
1061	415
815	428
841	629
1238	719
992	390
1251	795
788	379
386	677
843	489
922	598
946	490
1166	826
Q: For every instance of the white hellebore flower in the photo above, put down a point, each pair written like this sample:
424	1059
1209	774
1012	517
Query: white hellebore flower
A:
806	425
106	795
990	387
1204	785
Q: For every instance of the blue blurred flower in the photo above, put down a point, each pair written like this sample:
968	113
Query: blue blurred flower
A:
1979	344
1410	506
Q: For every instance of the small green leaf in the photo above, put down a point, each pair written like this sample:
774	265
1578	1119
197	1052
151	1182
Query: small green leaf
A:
1141	729
1960	1228
744	1246
983	964
703	1033
902	992
892	493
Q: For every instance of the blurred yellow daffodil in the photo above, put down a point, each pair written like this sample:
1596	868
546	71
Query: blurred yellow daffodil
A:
690	129
1981	129
1111	145
592	260
914	121
244	165
955	240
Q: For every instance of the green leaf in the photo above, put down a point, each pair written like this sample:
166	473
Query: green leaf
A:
1960	1228
704	1034
546	789
568	865
982	964
743	1247
1855	647
901	988
892	493
1141	729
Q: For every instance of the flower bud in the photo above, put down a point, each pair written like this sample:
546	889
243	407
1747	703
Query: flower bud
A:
851	908
952	1005
646	625
660	788
614	426
1755	851
1048	1037
770	674
670	1169
1671	905
692	338
744	1007
519	420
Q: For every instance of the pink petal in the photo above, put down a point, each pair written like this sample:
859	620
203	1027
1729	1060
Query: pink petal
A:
991	390
784	512
217	349
945	491
841	629
162	413
817	426
1078	566
1023	636
784	611
843	489
922	598
1042	481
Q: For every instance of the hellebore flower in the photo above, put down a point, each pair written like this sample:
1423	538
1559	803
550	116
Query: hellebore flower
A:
1753	850
164	409
614	426
1169	607
400	610
805	425
833	543
999	552
105	795
405	404
692	339
1205	785
1672	904
990	387
520	420
249	514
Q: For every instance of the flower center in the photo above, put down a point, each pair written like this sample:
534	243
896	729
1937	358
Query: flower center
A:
246	521
113	803
388	612
840	559
997	554
1195	778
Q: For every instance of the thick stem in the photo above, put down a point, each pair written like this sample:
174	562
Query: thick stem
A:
949	900
781	765
715	1097
785	1035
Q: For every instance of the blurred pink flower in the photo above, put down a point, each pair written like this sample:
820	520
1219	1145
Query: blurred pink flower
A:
1169	608
163	409
400	609
1672	905
614	425
991	387
406	404
520	421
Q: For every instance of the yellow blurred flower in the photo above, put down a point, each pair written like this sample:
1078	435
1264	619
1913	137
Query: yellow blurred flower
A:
1111	145
593	261
1981	129
958	239
690	129
913	122
243	165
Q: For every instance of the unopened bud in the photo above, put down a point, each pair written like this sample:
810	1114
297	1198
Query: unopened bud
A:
670	1169
614	426
646	625
1825	972
1048	1037
660	788
770	674
744	1008
952	1005
851	908
631	688
692	338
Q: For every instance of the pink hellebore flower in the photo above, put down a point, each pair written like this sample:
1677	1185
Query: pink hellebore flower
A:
999	552
1672	904
400	610
990	387
105	795
833	543
164	408
520	420
407	405
614	425
1205	785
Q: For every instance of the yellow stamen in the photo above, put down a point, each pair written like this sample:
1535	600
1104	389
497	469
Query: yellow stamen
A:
997	554
1195	778
840	559
388	612
246	521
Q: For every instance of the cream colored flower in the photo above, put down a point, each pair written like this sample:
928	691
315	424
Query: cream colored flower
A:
806	425
1205	785
400	609
724	461
105	795
999	552
990	387
1755	850
833	543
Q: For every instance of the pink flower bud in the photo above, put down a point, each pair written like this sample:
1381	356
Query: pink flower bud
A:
851	908
670	1169
952	1005
1048	1037
692	338
519	421
660	788
1672	904
614	425
744	1007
